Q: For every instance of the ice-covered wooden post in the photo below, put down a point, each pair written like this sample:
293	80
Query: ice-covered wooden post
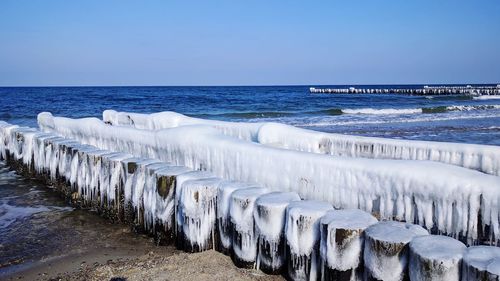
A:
197	213
386	249
302	238
192	175
435	257
241	207
269	217
342	242
224	234
161	195
476	261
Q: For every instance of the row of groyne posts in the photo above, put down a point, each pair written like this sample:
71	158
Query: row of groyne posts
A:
426	90
275	232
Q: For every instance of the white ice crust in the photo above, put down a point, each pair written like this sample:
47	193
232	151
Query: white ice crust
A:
169	119
382	259
348	254
479	257
197	210
435	257
226	188
429	193
242	202
484	158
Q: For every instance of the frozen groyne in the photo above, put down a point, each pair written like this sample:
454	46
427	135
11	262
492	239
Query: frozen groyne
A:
424	91
443	198
176	203
483	158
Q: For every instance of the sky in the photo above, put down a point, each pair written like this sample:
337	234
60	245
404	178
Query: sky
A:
122	42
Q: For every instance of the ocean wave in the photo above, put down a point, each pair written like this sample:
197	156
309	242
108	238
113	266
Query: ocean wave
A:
382	111
497	97
247	115
11	213
327	123
437	109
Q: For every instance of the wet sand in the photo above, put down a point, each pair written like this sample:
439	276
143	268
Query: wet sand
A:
131	263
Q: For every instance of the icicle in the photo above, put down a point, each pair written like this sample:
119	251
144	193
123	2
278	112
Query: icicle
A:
269	217
241	208
341	244
197	213
226	188
302	238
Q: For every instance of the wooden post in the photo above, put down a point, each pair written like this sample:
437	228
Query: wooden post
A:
386	249
302	238
197	213
241	208
342	242
476	261
435	257
269	217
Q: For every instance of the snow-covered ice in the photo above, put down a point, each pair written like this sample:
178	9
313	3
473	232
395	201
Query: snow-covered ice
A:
342	239
224	192
386	249
435	195
484	158
241	206
197	213
302	237
269	218
435	257
476	260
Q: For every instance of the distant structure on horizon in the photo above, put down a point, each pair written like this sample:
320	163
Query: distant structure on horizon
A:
425	90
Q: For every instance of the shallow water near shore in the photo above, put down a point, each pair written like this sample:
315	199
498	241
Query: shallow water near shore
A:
38	228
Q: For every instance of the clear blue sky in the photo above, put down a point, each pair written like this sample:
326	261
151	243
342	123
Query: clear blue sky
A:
105	42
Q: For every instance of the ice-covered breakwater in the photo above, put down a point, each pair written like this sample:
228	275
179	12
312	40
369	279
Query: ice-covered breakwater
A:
483	158
426	90
318	242
176	203
442	198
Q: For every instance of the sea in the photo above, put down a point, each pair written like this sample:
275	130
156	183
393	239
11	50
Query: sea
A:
35	224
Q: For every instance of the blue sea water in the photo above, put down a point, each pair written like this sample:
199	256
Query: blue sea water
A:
440	118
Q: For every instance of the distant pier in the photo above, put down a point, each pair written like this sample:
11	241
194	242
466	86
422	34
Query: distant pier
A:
424	91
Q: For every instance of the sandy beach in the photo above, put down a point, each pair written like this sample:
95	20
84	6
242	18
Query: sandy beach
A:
136	262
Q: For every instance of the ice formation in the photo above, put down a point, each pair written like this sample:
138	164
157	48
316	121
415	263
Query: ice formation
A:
476	260
197	213
386	251
226	188
302	238
435	195
435	257
479	157
159	195
169	119
241	206
154	188
269	218
342	240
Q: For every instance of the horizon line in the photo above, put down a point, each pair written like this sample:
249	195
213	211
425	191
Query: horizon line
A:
240	85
